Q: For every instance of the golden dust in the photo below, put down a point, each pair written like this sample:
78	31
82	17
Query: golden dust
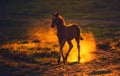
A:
48	38
87	49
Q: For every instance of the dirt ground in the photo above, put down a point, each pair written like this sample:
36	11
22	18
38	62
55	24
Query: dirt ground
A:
106	63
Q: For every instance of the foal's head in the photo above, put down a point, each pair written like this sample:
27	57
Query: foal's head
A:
57	20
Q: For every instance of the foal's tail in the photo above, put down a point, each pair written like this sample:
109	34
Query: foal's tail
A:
81	38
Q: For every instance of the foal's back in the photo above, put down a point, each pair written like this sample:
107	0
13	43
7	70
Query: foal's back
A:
72	32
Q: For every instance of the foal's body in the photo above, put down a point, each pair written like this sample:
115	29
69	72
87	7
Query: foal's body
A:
66	33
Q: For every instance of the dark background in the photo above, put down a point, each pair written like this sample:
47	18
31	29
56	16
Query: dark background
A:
74	9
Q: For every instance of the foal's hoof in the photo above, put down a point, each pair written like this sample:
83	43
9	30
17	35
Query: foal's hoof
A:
64	61
78	62
58	61
81	38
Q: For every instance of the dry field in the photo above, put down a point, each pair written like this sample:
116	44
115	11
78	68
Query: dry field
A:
29	47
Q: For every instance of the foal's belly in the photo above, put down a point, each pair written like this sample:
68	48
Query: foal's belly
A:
72	31
67	37
70	36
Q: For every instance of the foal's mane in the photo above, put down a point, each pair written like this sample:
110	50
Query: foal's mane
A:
62	19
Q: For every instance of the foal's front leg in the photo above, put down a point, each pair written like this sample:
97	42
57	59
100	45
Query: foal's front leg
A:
62	43
70	47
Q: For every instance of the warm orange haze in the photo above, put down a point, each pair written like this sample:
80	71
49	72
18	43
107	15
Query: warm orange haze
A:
88	45
47	37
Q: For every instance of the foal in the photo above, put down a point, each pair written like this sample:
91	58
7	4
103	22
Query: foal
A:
66	33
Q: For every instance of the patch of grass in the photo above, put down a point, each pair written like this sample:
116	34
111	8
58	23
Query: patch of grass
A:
103	58
104	31
100	72
27	56
107	36
13	30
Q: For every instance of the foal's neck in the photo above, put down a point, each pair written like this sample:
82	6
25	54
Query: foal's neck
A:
60	27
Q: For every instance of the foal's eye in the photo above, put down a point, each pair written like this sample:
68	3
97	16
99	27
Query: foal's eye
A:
54	19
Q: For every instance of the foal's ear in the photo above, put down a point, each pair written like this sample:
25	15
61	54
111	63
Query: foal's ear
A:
57	14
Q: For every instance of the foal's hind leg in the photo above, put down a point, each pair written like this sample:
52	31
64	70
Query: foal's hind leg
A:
78	47
70	47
